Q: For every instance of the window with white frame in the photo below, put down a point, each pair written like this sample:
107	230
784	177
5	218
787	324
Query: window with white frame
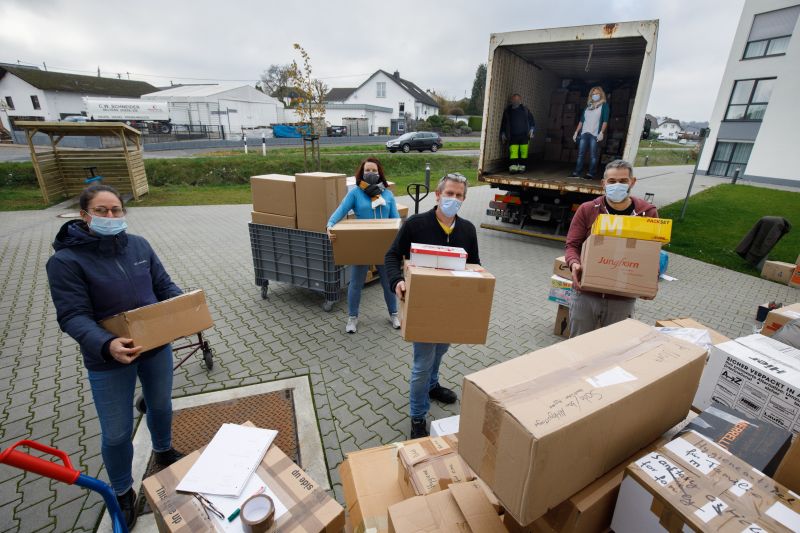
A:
771	32
728	157
381	87
10	103
35	102
749	99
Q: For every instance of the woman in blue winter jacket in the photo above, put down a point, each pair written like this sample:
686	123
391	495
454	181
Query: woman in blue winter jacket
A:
98	270
369	199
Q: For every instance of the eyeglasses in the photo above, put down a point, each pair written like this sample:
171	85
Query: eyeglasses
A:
208	506
103	211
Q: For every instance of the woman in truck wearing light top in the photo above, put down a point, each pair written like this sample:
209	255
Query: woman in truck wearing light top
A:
590	131
369	199
98	270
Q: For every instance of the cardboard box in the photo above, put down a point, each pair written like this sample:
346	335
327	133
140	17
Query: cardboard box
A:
274	193
760	445
402	211
433	256
560	268
445	426
363	242
310	509
625	267
777	318
318	196
430	465
561	326
788	473
716	337
778	271
462	508
274	220
447	306
757	376
626	227
561	291
691	484
794	281
158	324
541	427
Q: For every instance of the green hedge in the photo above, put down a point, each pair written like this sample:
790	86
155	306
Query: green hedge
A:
475	123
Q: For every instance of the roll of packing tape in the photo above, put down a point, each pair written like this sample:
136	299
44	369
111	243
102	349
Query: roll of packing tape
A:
258	514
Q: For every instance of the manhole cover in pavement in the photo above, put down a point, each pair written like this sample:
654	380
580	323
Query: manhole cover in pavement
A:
194	427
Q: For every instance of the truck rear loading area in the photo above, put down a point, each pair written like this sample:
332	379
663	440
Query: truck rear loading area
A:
553	70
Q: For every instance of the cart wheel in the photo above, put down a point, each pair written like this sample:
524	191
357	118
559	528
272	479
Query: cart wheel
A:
327	306
264	289
140	405
208	358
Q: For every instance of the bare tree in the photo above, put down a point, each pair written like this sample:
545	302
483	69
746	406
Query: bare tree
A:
275	79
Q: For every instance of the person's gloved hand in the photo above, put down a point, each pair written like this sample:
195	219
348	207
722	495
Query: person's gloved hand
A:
503	138
575	137
600	137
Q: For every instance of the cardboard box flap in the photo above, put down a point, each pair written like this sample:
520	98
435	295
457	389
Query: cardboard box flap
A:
370	486
471	500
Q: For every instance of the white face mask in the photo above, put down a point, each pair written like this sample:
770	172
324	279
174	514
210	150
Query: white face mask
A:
595	98
617	192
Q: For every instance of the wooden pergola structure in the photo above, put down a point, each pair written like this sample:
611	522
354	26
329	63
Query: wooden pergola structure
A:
62	172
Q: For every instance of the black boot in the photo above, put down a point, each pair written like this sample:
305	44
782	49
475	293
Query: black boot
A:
442	394
166	458
419	428
127	503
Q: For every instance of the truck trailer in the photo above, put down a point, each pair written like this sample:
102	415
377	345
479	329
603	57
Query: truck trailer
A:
553	70
142	114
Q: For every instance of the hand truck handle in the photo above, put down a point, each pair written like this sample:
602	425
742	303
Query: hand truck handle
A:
64	473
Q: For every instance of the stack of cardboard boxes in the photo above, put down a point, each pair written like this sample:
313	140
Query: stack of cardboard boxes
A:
783	273
303	201
620	104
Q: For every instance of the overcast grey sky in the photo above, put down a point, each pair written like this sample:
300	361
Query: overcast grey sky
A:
436	44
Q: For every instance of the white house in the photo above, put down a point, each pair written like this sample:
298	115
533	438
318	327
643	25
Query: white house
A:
669	129
360	119
233	107
756	114
27	93
389	91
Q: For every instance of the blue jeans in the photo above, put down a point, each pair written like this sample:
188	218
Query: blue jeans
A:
587	142
113	391
424	376
358	274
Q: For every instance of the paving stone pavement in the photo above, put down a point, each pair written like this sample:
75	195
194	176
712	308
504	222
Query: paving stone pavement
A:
359	382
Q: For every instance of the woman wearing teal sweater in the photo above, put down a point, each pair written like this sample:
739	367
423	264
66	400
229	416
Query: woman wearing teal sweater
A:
590	131
369	199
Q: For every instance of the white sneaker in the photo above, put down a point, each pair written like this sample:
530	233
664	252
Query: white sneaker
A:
352	324
395	320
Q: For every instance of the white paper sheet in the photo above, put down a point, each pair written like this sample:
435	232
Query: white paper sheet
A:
466	273
228	505
227	463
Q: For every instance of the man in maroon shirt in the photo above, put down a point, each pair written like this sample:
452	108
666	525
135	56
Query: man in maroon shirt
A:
592	310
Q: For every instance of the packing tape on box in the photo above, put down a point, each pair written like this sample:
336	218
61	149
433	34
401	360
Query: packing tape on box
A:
439	471
257	514
301	515
426	449
502	399
669	519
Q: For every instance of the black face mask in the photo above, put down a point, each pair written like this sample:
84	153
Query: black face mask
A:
372	178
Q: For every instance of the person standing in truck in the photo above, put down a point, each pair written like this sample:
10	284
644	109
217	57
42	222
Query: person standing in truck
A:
517	128
592	310
591	130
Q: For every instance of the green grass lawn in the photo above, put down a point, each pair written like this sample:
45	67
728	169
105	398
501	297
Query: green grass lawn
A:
378	149
656	158
22	198
718	218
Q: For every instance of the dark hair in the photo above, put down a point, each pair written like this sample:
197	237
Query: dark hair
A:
93	190
360	171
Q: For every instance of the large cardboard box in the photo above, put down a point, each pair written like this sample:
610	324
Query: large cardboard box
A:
788	473
642	228
274	220
561	326
158	324
778	271
691	484
363	242
463	508
430	465
760	445
560	268
625	267
756	375
318	196
274	193
777	318
447	306
309	508
716	337
540	427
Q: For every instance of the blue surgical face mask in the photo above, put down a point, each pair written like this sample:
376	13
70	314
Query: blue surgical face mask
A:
617	192
108	225
449	206
595	98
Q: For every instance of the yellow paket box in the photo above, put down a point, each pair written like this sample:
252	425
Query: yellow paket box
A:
642	228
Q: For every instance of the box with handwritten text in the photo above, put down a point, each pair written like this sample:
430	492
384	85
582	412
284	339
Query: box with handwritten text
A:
541	427
692	484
